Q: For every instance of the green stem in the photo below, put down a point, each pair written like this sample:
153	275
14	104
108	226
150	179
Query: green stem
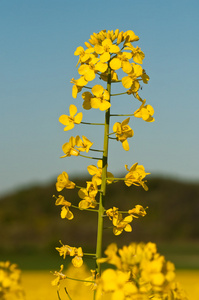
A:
80	279
120	115
74	206
103	184
89	157
119	94
88	123
67	294
96	150
114	179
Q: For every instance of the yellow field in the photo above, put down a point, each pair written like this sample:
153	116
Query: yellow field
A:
37	285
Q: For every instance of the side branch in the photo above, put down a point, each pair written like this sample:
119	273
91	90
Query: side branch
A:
87	123
90	157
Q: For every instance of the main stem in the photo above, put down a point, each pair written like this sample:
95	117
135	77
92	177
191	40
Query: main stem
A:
104	175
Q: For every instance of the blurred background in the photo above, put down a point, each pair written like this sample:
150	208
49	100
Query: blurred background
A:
38	40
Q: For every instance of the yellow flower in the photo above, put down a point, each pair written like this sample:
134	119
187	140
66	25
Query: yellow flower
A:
88	195
122	61
75	145
65	212
60	276
70	121
64	182
121	224
135	176
117	283
136	72
88	199
10	277
112	257
139	210
145	112
136	53
114	77
130	36
122	132
92	279
84	55
101	98
97	173
106	49
77	261
97	38
69	148
88	70
87	100
134	90
78	85
65	250
112	213
84	144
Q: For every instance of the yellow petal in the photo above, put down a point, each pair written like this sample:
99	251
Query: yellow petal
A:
92	170
95	103
81	81
89	75
99	163
117	231
125	145
74	91
63	212
127	82
77	261
79	50
82	69
104	105
105	57
107	43
128	228
78	118
86	104
98	49
115	63
64	119
97	90
72	110
126	67
69	127
101	67
125	122
82	193
70	215
83	204
114	49
150	109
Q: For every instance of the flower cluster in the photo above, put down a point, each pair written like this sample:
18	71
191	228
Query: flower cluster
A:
10	277
140	273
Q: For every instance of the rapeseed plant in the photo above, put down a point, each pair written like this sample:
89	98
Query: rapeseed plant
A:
139	272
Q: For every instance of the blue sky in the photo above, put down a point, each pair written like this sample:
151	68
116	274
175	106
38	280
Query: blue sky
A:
37	42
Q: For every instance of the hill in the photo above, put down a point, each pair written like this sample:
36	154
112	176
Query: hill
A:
30	220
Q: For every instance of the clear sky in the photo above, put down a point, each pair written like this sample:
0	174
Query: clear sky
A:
37	42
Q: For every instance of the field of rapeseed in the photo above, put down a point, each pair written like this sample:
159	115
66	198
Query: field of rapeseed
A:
37	285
